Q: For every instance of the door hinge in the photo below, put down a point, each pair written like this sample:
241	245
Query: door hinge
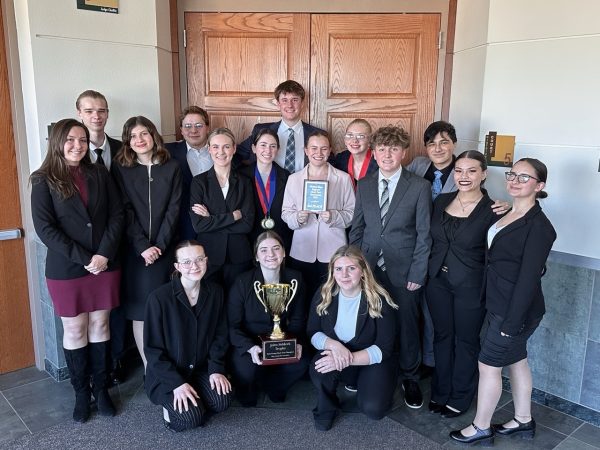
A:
184	39
440	40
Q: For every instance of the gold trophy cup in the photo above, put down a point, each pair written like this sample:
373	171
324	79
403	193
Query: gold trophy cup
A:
277	347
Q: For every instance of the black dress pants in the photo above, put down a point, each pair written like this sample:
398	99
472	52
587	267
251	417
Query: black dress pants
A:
408	334
209	401
375	385
457	313
275	380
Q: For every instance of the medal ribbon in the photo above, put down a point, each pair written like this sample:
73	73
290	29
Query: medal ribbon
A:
265	194
363	169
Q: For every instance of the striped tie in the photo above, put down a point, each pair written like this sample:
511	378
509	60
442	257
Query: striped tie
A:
290	152
384	205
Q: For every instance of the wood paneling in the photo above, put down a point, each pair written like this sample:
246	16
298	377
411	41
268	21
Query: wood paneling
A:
16	341
449	60
381	67
235	60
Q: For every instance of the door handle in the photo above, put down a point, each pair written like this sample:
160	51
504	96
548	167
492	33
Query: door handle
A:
7	235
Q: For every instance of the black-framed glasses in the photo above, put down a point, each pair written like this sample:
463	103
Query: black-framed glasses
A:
358	137
521	177
187	263
197	125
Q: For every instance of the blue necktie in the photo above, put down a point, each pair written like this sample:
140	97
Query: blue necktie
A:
290	152
436	188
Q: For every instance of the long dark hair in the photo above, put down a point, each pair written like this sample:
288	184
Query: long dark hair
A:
127	157
55	169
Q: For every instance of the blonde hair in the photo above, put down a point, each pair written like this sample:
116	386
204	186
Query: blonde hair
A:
373	291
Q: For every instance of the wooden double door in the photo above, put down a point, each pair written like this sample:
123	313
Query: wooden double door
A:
380	67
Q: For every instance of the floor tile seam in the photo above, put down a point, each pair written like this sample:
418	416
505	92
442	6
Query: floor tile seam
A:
16	413
30	383
583	442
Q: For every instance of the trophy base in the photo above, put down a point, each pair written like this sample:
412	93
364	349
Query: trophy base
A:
278	351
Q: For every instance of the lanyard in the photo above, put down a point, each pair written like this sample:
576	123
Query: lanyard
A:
363	169
265	194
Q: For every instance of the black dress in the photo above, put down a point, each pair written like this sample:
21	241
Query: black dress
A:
152	197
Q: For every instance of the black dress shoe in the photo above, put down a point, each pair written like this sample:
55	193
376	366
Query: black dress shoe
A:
483	437
412	394
117	374
435	408
323	424
447	413
524	430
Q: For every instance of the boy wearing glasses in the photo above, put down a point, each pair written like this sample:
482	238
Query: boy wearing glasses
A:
292	132
192	155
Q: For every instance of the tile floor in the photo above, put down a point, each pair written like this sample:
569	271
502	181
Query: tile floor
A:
31	401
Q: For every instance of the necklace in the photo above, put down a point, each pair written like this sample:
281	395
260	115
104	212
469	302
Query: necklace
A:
464	206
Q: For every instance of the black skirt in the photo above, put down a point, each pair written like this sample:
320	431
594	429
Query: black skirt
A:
502	351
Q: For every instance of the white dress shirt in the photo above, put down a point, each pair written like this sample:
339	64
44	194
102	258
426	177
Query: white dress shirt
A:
199	160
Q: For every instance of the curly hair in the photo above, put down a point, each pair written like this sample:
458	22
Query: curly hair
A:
372	290
390	136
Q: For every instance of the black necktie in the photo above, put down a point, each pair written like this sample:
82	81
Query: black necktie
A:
99	159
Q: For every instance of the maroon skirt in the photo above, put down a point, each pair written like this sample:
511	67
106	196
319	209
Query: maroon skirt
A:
86	294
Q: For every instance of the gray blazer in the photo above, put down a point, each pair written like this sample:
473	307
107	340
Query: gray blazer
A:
405	238
420	165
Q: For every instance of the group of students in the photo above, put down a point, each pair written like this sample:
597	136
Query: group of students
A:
382	255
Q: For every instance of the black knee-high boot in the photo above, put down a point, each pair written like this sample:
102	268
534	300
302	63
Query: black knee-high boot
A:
99	361
77	363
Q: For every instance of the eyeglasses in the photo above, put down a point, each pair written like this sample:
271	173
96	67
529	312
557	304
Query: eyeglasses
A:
521	177
197	126
358	137
187	263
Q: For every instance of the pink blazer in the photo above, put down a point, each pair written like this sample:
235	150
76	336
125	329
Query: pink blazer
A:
317	240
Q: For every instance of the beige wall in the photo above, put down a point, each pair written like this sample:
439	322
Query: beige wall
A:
530	69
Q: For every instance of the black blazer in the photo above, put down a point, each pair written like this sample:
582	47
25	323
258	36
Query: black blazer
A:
244	149
151	203
115	146
74	233
247	316
465	255
369	331
340	161
222	237
281	228
516	262
180	343
178	151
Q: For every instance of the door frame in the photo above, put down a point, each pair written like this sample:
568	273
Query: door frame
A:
447	9
23	161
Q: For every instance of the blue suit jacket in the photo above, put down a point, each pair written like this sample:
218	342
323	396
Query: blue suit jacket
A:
244	149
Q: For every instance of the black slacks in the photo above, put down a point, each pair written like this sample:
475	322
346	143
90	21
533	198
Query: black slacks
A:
275	380
457	313
408	334
375	385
